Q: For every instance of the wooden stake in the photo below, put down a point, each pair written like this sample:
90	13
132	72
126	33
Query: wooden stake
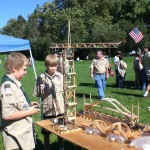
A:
84	103
90	98
131	113
138	111
84	98
68	33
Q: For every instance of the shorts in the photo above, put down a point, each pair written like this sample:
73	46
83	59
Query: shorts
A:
60	120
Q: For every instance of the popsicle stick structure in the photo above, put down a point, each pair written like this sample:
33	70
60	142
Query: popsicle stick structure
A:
116	107
69	73
85	45
70	88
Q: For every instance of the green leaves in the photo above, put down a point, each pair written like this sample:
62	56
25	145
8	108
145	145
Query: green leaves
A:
91	21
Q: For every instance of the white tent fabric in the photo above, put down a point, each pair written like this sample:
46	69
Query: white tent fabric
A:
9	44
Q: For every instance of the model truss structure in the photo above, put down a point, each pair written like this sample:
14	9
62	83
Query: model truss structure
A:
86	45
116	107
69	75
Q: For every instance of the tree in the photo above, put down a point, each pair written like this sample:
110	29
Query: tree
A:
129	10
105	32
15	27
91	21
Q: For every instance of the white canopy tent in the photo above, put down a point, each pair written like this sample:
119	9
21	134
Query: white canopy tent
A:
9	44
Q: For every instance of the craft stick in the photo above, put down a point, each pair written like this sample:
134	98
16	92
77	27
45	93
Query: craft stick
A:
91	98
131	112
138	111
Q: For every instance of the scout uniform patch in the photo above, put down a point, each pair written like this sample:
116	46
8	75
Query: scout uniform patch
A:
7	90
96	62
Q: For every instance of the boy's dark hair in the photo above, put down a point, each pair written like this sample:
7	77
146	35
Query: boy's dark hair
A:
120	57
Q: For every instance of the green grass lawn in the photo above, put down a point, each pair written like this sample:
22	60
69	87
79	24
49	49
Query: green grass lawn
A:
85	85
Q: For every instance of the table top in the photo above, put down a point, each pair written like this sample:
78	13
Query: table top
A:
80	138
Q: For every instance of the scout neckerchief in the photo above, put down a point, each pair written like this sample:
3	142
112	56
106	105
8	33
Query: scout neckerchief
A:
53	86
53	92
6	78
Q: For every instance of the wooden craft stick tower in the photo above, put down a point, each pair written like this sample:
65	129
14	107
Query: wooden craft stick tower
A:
69	82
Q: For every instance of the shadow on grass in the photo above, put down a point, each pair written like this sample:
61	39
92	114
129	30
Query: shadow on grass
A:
129	94
87	84
54	145
80	95
39	144
71	146
128	85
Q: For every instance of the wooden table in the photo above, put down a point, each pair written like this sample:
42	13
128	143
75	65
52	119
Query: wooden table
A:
80	138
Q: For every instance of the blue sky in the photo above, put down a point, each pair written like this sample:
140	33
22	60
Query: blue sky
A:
13	8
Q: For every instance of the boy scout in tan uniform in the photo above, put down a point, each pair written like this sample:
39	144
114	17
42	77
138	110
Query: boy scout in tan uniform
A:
49	87
43	88
16	112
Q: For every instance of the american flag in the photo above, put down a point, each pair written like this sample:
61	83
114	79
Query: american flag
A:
136	34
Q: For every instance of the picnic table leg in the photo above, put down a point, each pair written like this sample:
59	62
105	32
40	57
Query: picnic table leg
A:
61	143
46	142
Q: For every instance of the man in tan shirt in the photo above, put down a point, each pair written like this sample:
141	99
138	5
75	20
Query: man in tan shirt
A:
99	72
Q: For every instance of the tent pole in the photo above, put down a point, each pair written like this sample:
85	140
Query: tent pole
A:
33	63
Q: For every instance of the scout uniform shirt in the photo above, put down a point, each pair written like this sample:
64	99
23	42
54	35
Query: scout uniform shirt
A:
121	66
50	89
100	66
13	99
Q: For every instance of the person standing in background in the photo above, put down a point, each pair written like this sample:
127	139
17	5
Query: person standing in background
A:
60	67
116	59
121	67
99	72
78	59
146	64
87	57
137	66
143	73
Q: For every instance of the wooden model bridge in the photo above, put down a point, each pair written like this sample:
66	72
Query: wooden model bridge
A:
85	45
117	107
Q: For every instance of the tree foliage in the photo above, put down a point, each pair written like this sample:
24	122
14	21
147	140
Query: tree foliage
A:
91	21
